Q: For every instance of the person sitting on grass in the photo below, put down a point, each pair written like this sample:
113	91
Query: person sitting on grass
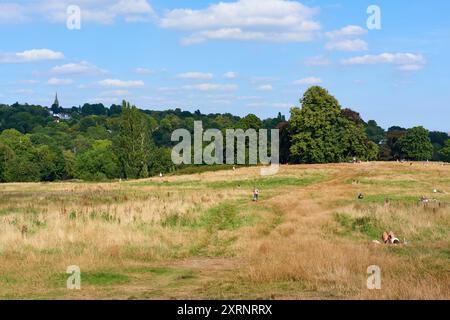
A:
389	238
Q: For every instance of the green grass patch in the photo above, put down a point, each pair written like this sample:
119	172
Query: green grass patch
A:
380	199
225	216
173	273
12	210
100	278
103	278
7	280
193	169
166	183
177	220
390	183
266	182
260	182
369	226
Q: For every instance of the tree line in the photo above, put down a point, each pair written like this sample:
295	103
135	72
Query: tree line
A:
96	143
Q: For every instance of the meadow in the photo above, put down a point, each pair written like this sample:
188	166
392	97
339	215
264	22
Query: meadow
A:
200	236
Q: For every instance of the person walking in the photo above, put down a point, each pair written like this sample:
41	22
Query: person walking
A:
255	194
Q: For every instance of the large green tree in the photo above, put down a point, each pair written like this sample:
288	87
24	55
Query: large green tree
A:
23	167
321	133
415	144
98	163
132	144
444	153
6	155
374	132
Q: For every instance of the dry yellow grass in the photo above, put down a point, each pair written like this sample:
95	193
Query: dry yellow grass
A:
200	236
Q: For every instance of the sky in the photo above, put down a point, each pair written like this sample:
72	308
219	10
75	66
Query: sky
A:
239	56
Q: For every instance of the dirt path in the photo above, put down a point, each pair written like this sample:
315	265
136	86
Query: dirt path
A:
301	207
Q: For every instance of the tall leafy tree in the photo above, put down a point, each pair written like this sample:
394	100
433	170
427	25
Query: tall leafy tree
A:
51	162
374	132
98	163
438	140
389	148
444	153
322	133
132	143
415	144
6	155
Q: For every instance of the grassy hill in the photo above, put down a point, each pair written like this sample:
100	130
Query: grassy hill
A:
201	236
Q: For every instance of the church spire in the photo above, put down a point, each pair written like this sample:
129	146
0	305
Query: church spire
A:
56	103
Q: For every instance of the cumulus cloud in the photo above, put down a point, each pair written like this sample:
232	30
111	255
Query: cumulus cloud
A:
308	81
12	13
403	61
121	83
34	55
348	45
59	82
144	71
23	91
230	75
318	61
81	68
195	76
265	87
97	11
348	31
211	87
343	39
104	11
246	20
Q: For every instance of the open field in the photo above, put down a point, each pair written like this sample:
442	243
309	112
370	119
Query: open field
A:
201	236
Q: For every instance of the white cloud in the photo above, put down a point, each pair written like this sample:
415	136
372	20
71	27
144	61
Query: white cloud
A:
121	83
265	87
403	61
308	81
144	71
341	40
195	76
23	91
410	67
348	31
34	55
59	82
11	13
97	11
318	61
81	68
230	75
246	20
348	45
211	87
239	34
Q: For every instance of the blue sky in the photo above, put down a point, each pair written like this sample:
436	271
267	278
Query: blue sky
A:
240	56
